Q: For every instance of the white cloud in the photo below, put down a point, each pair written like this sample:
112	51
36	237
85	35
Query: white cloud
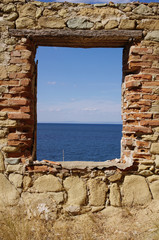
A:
81	111
52	83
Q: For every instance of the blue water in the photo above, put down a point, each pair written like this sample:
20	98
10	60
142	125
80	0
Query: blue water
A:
80	142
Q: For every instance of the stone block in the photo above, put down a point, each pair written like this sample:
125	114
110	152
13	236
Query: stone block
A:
47	183
2	167
150	137
15	168
157	161
127	24
12	161
154	148
115	177
27	181
98	190
27	10
154	187
25	22
148	24
115	198
12	16
10	149
40	205
3	72
79	23
143	10
51	22
16	179
152	36
9	196
76	190
135	191
111	24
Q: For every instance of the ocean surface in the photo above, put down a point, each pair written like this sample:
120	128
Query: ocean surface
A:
78	142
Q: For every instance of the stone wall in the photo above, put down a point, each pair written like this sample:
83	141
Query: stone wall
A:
78	187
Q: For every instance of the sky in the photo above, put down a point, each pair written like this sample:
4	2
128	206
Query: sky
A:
78	85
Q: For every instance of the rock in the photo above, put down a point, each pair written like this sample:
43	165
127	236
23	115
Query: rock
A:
2	133
39	205
9	149
9	196
100	4
127	24
115	177
25	22
58	197
79	23
3	72
111	24
3	115
157	161
2	168
12	161
143	167
74	209
148	24
51	22
154	148
153	36
3	89
38	12
8	123
9	8
98	190
76	190
154	187
115	198
142	10
15	168
47	183
135	191
12	16
150	137
146	173
153	178
14	68
26	182
98	26
16	179
28	10
97	209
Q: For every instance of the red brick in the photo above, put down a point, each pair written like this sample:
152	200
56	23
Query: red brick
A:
21	47
141	50
137	129
22	75
138	77
17	89
18	116
133	97
132	84
149	57
37	168
16	53
138	116
149	122
20	143
152	83
141	144
18	102
141	155
150	97
25	109
150	70
136	65
25	82
157	77
9	83
13	136
18	60
12	75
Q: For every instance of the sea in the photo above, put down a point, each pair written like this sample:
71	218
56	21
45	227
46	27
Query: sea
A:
78	142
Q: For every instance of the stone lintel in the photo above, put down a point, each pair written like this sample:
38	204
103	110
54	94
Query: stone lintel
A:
79	38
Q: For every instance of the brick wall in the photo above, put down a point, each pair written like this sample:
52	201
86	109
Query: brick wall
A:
135	27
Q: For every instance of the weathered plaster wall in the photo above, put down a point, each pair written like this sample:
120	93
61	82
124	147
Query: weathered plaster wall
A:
78	188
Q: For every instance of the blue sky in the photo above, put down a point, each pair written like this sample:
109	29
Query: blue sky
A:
79	85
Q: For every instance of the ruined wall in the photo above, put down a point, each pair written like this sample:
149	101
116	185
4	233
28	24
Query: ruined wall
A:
74	187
